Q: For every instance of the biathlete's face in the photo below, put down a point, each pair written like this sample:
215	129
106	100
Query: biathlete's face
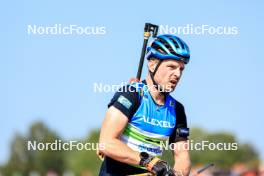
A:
169	74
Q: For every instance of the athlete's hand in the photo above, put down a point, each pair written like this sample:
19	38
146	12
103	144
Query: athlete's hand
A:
132	80
159	167
171	173
100	155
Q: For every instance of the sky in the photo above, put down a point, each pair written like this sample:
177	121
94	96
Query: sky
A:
51	78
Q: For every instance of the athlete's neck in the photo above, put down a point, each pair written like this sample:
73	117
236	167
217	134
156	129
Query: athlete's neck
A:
158	97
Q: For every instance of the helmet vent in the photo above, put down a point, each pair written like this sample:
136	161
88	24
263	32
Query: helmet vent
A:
168	46
158	48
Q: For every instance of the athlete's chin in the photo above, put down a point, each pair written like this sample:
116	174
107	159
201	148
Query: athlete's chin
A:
171	89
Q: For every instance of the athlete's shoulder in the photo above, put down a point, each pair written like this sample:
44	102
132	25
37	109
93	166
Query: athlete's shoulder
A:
137	85
179	104
126	99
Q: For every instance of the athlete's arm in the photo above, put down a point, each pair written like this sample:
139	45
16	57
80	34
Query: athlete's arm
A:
182	162
113	125
121	108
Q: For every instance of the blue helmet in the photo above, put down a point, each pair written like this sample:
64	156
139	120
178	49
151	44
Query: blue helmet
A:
169	47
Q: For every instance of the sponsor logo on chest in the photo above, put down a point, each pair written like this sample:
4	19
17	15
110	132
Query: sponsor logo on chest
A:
156	122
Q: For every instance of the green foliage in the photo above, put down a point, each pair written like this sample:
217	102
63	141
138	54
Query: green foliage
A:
233	152
85	160
22	160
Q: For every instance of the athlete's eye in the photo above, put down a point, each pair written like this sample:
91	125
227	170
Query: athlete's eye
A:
171	67
182	68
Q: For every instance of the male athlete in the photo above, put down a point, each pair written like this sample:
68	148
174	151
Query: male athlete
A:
143	115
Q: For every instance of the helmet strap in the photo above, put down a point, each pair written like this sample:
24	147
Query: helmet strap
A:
152	74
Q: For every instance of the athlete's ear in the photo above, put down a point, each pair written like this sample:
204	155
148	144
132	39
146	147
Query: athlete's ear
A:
152	63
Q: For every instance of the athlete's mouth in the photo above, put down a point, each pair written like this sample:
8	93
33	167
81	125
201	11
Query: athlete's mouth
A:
174	82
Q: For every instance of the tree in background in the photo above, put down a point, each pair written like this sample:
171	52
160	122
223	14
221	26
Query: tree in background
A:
22	161
245	153
85	161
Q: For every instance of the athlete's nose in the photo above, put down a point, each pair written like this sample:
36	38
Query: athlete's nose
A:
178	73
